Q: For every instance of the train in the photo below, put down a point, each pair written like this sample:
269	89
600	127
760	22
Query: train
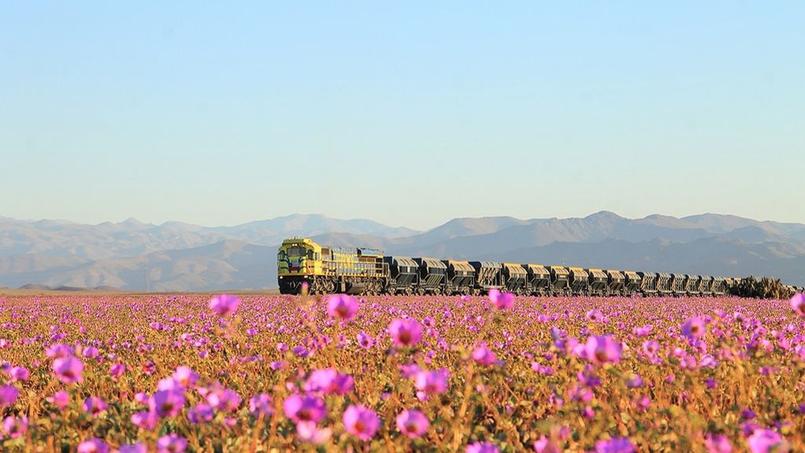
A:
303	263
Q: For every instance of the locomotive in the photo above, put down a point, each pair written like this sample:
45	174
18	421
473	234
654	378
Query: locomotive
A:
301	262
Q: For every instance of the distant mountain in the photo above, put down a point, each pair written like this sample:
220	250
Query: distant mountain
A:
176	256
133	238
274	231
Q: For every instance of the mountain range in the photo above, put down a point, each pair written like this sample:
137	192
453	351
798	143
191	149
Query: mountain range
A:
175	256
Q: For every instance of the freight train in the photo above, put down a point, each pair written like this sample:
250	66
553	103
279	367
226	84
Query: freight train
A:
303	262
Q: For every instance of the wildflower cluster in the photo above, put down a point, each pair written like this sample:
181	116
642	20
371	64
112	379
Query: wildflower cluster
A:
434	373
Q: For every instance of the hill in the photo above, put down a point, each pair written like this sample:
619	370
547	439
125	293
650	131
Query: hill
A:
174	256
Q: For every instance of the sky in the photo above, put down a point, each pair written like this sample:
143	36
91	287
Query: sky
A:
408	113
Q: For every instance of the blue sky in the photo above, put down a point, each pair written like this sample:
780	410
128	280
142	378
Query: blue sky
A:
409	114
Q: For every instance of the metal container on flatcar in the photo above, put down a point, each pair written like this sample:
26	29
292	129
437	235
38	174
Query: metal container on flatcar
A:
432	275
403	274
632	282
677	284
664	283
616	282
560	280
718	288
648	283
460	277
538	279
599	284
579	281
706	285
692	285
487	275
513	278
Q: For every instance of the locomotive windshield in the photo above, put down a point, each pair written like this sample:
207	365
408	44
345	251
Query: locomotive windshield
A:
296	251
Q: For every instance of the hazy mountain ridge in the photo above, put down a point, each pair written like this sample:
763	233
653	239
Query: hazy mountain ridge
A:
176	256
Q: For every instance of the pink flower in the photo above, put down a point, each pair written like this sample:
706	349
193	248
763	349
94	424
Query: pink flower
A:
717	443
694	327
68	369
59	399
201	413
8	395
501	300
798	304
412	423
595	315
94	405
261	404
308	431
166	403
226	400
651	347
171	443
482	447
224	304
304	408
90	352
342	306
602	349
133	448
169	383
616	445
365	340
93	445
405	332
361	422
185	376
329	381
14	427
19	373
146	420
483	355
766	441
432	382
58	351
545	445
409	370
643	331
116	370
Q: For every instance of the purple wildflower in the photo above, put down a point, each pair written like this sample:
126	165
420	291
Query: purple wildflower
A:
224	304
68	369
166	403
405	332
616	445
171	443
8	395
261	405
482	447
501	300
94	406
304	408
342	306
361	422
694	328
602	349
412	423
93	445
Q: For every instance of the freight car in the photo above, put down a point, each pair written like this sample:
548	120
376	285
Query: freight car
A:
304	264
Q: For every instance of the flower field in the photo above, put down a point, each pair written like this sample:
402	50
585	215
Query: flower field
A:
483	374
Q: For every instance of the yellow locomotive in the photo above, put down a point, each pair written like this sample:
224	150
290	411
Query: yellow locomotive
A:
301	261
